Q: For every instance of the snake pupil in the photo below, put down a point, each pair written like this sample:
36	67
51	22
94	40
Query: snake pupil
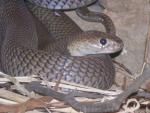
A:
103	41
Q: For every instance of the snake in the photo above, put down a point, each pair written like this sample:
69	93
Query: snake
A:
62	4
36	43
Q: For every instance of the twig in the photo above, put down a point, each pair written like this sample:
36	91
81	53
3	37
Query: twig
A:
146	52
19	79
28	105
7	102
17	84
12	96
88	89
123	67
35	111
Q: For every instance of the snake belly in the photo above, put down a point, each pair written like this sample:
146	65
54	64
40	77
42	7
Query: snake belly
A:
21	54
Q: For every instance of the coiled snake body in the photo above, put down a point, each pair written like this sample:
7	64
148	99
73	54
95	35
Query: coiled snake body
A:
23	51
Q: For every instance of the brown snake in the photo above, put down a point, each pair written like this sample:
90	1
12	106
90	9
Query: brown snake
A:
24	43
62	4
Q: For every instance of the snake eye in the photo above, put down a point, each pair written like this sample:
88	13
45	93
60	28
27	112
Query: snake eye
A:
103	41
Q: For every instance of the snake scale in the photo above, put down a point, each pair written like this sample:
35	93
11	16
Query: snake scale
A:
62	4
24	40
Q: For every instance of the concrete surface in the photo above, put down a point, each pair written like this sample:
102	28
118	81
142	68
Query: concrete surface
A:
131	18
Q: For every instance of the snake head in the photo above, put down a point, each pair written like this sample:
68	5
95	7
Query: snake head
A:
94	42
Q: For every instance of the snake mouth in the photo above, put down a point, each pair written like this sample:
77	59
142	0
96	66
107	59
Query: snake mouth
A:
116	48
